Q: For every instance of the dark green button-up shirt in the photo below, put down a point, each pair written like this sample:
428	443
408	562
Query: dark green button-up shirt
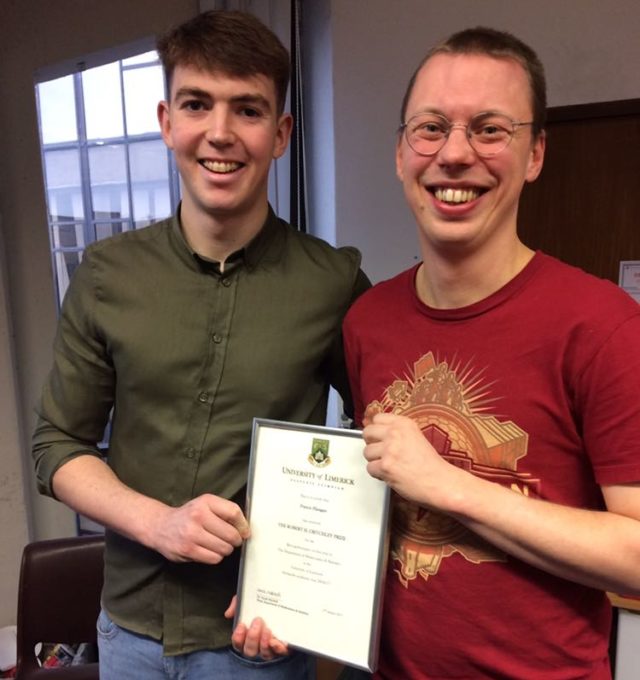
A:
187	356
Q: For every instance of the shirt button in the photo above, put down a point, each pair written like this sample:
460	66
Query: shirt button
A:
216	338
191	453
203	397
226	282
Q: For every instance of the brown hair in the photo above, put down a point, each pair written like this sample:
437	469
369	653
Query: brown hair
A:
500	45
235	43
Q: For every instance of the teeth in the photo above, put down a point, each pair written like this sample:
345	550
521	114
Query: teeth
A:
450	195
221	166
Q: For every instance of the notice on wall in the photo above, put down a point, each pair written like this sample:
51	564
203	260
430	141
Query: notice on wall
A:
629	278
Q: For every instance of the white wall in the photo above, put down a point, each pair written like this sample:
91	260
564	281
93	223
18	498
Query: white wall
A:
627	648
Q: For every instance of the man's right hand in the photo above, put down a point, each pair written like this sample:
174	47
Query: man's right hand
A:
206	529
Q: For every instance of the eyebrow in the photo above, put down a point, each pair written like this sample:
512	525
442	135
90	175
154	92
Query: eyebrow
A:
439	112
245	98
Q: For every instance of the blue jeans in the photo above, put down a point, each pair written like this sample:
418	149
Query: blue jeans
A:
125	655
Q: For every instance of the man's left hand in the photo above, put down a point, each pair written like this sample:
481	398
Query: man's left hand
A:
256	639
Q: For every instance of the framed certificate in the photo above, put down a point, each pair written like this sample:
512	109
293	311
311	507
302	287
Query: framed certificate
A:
629	278
314	565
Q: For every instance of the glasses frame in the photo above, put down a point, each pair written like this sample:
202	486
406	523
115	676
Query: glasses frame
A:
404	128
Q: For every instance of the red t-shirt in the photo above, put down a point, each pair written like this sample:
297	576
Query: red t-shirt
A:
535	388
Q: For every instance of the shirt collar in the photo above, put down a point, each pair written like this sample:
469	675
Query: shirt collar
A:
265	247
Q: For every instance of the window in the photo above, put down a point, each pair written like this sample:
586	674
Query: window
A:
106	168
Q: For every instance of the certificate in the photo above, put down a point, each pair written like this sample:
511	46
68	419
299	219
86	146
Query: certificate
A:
630	278
314	565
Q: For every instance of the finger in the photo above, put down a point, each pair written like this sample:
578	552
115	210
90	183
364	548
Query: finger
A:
386	418
279	648
242	526
220	534
212	547
372	452
374	433
230	612
238	638
232	513
252	641
228	512
375	470
266	652
209	549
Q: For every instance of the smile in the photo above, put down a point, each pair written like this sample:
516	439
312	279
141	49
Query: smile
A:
449	195
223	167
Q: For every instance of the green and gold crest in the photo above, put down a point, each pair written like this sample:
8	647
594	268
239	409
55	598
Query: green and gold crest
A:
319	455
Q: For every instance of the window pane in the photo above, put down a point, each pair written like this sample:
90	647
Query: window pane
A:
107	229
99	180
143	89
70	236
58	111
108	176
65	263
103	101
143	58
64	191
150	182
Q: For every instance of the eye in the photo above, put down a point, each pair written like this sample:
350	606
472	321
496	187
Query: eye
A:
428	128
192	105
251	112
491	129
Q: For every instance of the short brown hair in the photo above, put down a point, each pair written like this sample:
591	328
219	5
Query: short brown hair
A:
500	45
235	43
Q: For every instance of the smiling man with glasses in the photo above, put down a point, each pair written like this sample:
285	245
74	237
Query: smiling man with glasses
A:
498	397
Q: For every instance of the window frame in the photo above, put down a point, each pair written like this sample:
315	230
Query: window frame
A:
89	223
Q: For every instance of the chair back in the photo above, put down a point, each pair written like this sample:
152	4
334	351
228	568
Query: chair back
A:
58	602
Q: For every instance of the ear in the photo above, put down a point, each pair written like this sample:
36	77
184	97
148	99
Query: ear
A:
283	134
536	157
165	122
399	170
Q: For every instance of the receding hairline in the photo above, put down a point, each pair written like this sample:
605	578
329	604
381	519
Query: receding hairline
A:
507	58
498	45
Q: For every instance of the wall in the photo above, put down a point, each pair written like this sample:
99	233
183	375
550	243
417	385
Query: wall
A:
35	34
628	651
14	515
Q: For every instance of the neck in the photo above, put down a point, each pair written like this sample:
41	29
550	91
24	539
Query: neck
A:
446	282
216	238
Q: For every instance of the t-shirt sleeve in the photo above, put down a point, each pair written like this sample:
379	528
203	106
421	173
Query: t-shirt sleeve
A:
609	406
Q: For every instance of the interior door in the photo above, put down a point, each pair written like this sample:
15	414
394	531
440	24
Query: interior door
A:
585	206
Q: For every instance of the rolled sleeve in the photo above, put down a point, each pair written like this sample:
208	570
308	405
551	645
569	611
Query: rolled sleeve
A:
78	394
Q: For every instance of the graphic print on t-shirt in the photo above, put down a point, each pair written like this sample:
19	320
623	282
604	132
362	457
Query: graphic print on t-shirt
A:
449	403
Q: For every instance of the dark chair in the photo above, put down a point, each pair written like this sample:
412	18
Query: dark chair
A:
58	602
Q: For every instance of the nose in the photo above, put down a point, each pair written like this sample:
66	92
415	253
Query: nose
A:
219	127
457	149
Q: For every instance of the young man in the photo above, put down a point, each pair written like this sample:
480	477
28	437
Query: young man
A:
499	398
188	330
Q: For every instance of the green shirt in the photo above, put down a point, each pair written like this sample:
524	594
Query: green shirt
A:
187	357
